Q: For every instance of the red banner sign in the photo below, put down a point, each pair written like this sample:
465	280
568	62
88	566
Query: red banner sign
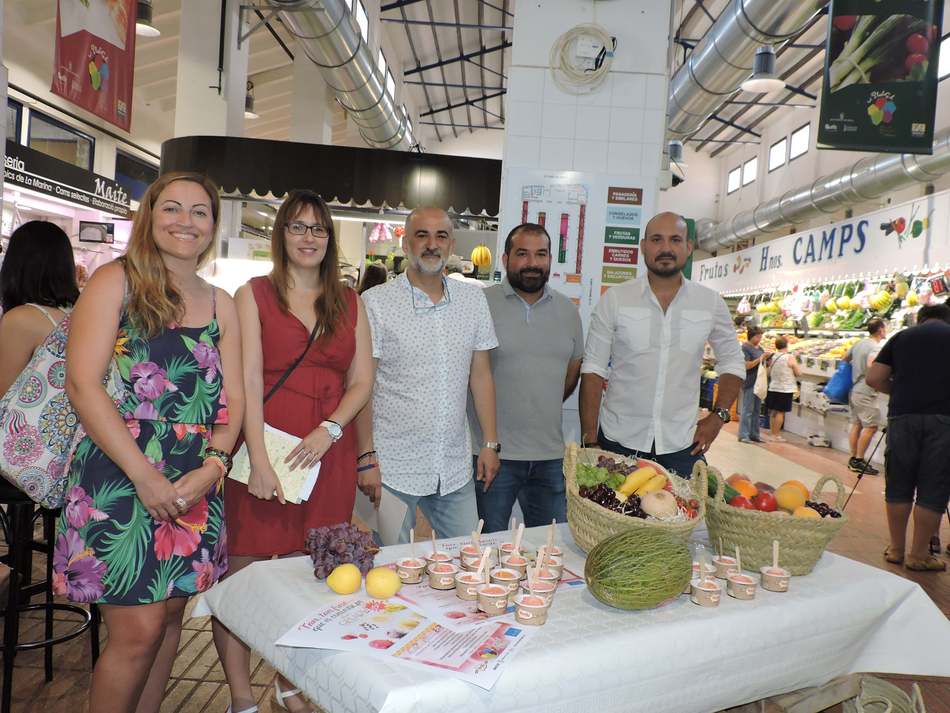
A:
620	255
95	57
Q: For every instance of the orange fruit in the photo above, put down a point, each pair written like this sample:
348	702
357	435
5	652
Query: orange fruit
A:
806	512
745	488
798	484
790	498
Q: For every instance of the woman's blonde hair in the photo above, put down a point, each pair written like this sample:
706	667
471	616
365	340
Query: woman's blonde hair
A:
154	302
330	306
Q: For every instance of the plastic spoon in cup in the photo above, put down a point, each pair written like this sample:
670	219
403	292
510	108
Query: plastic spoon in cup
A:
432	537
775	554
412	542
738	561
550	545
518	537
511	530
721	550
703	569
481	564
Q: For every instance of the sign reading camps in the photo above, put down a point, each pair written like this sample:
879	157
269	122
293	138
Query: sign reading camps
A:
95	57
899	238
880	85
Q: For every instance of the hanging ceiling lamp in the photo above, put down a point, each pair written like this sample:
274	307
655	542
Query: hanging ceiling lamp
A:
143	20
249	112
763	79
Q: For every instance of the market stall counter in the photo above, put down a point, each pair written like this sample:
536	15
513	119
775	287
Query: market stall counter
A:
843	618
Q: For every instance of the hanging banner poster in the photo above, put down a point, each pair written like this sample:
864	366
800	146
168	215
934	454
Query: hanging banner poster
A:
880	85
95	57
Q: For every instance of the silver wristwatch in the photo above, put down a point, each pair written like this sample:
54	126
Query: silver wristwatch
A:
334	429
493	445
723	414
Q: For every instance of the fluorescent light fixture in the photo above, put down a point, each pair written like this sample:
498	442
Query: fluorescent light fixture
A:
143	20
369	219
763	79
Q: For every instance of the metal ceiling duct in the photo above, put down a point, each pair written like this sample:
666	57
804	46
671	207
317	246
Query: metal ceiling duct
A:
867	179
328	34
723	59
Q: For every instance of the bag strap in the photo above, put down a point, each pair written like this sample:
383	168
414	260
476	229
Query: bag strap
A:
290	370
45	311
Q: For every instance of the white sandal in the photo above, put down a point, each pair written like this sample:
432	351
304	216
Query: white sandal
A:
280	695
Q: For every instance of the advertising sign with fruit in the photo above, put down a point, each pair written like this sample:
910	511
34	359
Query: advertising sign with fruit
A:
95	57
880	84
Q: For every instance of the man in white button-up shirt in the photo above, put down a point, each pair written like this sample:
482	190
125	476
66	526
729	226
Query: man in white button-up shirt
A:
646	342
431	339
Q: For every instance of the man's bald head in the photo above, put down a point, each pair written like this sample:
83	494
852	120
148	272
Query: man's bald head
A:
668	221
665	245
428	240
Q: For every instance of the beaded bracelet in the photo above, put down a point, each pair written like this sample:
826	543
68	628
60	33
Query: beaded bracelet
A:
223	456
368	466
218	462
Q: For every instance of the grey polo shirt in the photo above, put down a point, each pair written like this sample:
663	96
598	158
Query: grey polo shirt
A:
535	344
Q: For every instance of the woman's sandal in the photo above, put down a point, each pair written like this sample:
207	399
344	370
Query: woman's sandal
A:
927	564
890	556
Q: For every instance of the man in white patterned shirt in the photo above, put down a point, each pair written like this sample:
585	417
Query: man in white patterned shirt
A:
648	336
431	339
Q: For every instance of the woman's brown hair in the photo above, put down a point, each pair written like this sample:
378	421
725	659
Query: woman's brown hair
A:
330	305
154	302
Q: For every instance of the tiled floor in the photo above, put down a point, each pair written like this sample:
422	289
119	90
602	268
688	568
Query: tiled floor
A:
197	684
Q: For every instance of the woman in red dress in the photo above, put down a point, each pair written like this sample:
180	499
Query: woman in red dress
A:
317	402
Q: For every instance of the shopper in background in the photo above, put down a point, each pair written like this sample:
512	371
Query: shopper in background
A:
912	368
143	525
373	274
279	313
536	367
864	401
750	405
455	269
431	338
37	289
784	369
649	334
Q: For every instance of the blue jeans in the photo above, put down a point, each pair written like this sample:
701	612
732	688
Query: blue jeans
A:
451	515
680	462
749	407
537	485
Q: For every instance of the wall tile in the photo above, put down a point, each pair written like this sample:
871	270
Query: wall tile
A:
590	156
650	160
522	151
593	122
623	157
557	121
628	89
525	84
523	119
657	92
553	94
557	154
654	126
626	124
600	96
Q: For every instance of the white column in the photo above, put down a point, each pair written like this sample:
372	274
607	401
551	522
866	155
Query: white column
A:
201	108
309	111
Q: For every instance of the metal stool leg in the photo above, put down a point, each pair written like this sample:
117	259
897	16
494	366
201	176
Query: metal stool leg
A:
20	531
49	529
94	631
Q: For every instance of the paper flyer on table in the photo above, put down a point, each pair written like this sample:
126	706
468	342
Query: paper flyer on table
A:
394	630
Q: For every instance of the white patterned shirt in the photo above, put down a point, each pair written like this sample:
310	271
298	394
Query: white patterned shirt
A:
653	361
424	356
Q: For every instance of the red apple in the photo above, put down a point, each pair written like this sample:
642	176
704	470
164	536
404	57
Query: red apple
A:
740	501
765	502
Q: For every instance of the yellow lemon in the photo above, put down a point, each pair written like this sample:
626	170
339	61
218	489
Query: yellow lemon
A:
345	579
789	498
382	583
806	512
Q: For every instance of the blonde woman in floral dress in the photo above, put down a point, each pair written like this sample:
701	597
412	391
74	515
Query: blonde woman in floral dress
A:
143	526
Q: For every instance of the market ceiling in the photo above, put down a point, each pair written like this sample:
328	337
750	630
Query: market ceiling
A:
343	174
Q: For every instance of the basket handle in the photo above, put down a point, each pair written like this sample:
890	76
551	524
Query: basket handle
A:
917	699
819	486
699	483
570	465
720	496
862	701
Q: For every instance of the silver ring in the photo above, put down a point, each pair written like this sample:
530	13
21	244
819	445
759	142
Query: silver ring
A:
181	504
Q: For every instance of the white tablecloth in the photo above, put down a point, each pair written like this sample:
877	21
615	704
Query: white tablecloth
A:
844	618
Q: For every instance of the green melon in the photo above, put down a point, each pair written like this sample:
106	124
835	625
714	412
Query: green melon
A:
641	568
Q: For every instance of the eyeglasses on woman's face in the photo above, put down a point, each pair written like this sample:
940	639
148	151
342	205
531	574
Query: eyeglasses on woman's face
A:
297	228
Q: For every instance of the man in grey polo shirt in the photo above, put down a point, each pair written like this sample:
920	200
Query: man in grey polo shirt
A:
536	367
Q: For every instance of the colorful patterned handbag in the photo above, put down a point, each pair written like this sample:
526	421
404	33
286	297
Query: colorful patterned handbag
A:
39	430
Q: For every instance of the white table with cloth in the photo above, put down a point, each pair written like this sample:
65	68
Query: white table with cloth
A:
844	618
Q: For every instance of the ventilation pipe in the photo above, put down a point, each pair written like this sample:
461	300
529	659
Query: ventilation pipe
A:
723	59
328	34
869	178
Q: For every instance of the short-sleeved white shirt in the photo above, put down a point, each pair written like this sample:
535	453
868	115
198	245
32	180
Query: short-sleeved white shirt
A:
424	354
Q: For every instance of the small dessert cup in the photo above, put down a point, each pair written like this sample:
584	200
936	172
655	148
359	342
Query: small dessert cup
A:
710	571
493	599
505	549
705	592
437	557
466	586
552	562
410	570
725	566
775	579
508	578
516	562
554	551
545	590
531	610
741	586
470	556
442	575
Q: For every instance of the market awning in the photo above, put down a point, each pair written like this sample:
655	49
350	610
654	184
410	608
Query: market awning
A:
340	173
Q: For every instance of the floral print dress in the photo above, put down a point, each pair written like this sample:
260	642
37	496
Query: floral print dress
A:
108	548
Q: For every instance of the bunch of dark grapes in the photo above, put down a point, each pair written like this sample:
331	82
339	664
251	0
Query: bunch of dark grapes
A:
613	466
822	509
605	496
339	544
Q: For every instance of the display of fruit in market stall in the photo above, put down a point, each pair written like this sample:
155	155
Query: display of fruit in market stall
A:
660	504
620	487
798	484
765	502
789	498
742	502
640	568
745	488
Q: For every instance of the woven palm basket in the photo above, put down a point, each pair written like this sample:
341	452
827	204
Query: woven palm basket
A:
801	540
590	523
879	696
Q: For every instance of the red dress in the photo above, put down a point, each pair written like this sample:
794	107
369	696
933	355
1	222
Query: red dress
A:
261	528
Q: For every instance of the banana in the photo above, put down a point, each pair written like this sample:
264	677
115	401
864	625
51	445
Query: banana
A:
657	482
635	480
